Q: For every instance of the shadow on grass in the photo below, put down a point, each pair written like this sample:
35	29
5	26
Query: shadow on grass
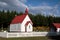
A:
53	36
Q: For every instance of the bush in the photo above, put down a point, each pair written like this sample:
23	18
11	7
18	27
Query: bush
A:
40	28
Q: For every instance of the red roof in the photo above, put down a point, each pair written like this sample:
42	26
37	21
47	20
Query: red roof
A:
18	19
57	25
27	23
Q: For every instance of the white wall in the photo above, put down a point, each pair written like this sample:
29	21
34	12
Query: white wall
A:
58	29
20	27
15	27
24	22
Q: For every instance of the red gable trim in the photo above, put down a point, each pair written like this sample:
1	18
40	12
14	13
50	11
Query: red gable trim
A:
18	19
27	23
57	25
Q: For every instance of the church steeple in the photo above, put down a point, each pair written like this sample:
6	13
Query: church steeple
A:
26	11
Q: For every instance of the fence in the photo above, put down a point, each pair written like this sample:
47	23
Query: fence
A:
25	34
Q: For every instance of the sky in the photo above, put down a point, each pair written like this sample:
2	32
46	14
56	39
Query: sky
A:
44	7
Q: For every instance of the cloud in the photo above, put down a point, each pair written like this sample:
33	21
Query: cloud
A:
23	1
12	5
19	5
45	9
40	9
3	4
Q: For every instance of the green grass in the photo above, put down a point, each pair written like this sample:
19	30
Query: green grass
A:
26	38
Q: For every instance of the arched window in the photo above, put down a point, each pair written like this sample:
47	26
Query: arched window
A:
29	26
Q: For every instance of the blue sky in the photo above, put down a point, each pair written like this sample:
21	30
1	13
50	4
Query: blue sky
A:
45	7
40	2
50	7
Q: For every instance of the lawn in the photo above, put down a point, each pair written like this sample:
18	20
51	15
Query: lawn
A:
26	38
34	38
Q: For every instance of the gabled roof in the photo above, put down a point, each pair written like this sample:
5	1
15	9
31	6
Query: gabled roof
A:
18	19
57	25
